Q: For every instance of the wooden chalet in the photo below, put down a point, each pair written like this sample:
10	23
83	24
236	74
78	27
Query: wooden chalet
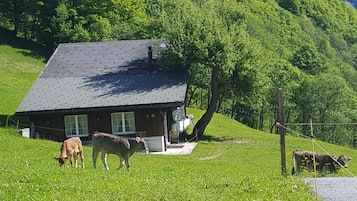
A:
114	87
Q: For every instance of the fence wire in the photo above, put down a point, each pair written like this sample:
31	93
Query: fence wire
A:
314	141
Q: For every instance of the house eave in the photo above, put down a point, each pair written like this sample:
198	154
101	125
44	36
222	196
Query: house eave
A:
104	108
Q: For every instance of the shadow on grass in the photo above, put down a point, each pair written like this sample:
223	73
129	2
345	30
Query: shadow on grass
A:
188	137
210	138
36	51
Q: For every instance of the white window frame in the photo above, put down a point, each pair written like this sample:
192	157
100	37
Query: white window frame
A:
118	118
77	124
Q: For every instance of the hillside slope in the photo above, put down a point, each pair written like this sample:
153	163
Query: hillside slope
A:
20	64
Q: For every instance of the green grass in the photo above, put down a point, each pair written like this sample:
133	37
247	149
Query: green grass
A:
239	164
20	64
18	72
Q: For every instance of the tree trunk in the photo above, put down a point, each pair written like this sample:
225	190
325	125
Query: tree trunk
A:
211	109
16	17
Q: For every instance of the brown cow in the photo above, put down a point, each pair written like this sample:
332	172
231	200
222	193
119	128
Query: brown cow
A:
112	144
70	150
304	160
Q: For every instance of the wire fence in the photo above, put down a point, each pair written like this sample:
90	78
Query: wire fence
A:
315	143
14	121
332	132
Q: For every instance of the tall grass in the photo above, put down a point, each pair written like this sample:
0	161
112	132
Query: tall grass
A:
237	163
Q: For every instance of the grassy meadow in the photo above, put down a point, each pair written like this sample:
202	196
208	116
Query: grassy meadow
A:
18	71
20	64
228	168
234	163
238	163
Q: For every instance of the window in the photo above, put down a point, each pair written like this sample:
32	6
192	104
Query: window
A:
76	125
123	123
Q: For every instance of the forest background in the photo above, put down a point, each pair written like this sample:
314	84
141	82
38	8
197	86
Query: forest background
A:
238	53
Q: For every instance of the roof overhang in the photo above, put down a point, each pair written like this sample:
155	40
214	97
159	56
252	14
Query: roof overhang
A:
96	109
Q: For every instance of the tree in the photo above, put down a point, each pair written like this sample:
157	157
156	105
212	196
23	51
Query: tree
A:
205	35
20	14
62	23
50	22
327	99
308	60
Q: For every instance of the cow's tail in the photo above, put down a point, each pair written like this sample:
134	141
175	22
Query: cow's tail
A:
293	171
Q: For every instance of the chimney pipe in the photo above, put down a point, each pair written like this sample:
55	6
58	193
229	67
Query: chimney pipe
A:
150	54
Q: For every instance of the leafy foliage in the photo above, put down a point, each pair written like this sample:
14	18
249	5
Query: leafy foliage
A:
52	22
308	60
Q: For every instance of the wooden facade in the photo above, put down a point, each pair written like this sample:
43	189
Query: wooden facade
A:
148	123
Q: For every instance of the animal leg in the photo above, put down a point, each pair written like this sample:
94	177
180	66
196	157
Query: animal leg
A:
94	156
298	169
104	160
295	170
70	156
127	163
121	163
75	156
82	158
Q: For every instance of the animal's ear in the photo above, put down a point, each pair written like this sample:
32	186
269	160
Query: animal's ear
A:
137	139
56	158
349	158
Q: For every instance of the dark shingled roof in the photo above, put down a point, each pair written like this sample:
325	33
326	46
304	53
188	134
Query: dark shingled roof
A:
104	74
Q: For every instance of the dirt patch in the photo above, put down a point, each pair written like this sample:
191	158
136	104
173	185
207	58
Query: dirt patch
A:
241	141
209	157
234	141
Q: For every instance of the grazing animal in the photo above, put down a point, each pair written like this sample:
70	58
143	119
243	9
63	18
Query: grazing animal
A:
304	160
112	144
70	149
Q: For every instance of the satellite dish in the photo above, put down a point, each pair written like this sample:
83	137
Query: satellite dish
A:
178	115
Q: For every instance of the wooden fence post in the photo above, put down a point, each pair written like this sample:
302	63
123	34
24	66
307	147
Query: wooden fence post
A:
7	121
282	132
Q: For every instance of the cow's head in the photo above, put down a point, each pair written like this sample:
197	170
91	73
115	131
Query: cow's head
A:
142	144
61	160
342	160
